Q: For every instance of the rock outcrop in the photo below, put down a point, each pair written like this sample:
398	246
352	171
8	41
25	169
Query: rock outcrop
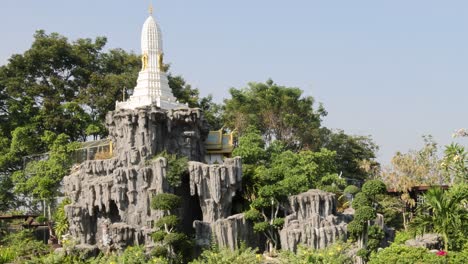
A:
110	199
215	186
144	132
429	241
227	232
313	221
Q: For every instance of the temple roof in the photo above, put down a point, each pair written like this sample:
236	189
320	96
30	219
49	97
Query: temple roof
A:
218	142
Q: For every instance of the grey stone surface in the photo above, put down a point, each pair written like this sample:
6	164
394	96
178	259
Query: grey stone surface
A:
141	133
111	198
215	186
313	221
227	232
430	241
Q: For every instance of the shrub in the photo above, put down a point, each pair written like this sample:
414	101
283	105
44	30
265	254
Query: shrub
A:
7	254
351	189
21	246
360	200
131	255
376	234
373	187
41	219
165	201
405	255
364	214
334	254
355	229
168	221
402	236
243	255
253	215
61	220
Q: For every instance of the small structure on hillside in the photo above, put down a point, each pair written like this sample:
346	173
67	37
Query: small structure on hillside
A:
416	193
219	145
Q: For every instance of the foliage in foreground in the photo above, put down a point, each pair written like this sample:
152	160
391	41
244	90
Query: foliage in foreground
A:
334	254
243	255
131	255
21	247
402	254
61	221
443	212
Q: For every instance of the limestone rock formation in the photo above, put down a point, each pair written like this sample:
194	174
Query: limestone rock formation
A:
227	232
111	198
144	132
215	186
429	241
313	221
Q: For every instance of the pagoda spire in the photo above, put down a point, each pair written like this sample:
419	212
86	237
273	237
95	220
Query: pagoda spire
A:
152	84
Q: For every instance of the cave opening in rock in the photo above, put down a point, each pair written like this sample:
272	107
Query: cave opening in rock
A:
113	214
239	204
190	208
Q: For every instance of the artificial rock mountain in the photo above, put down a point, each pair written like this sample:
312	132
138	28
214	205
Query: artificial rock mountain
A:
111	198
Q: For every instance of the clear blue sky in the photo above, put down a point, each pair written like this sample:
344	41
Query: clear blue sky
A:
391	69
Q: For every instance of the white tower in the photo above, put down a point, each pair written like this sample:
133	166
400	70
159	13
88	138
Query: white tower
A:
152	84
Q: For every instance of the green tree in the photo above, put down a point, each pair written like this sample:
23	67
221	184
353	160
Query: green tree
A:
455	162
372	188
41	179
355	155
62	86
112	81
184	91
417	167
191	96
212	111
252	150
171	244
287	173
365	205
46	76
280	113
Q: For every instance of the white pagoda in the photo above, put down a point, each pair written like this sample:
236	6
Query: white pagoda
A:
152	85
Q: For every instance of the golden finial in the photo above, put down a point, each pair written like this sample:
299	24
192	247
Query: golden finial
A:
150	9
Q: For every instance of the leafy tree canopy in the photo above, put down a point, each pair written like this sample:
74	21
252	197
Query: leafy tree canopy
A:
417	167
355	155
280	113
